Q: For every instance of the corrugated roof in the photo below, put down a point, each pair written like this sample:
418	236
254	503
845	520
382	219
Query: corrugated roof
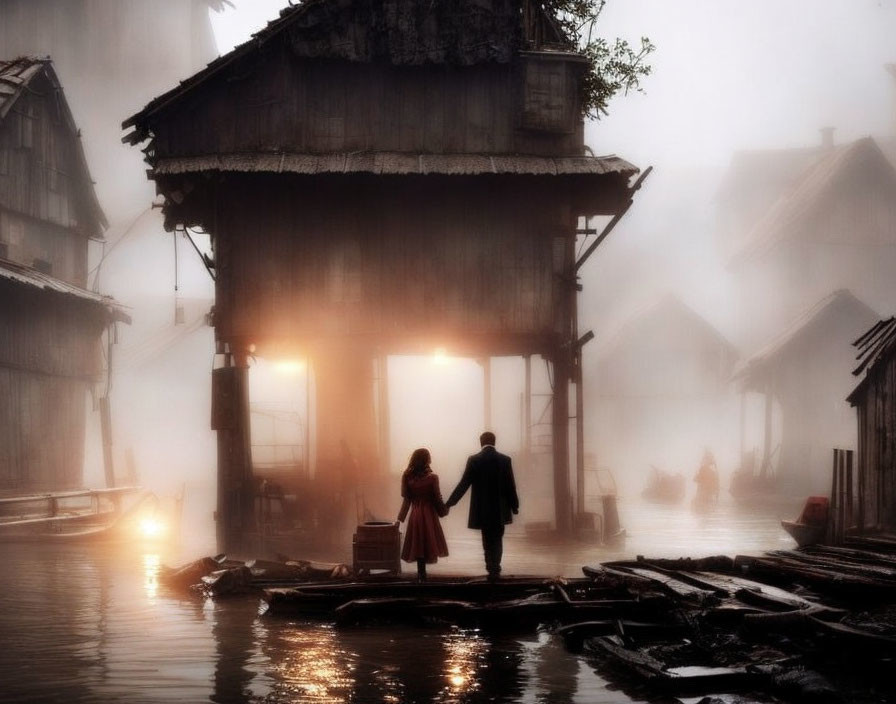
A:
396	163
841	304
874	347
813	190
16	75
26	276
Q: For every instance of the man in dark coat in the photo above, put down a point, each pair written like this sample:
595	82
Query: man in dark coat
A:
492	500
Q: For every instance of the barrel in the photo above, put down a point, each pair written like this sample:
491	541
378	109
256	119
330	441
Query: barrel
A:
376	546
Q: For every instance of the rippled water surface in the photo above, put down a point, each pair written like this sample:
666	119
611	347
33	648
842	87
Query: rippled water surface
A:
84	624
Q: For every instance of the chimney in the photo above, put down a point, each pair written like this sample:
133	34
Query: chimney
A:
827	137
891	69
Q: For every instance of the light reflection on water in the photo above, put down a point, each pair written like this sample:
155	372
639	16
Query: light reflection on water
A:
84	624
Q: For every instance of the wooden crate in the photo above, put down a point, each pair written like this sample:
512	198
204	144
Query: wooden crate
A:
376	546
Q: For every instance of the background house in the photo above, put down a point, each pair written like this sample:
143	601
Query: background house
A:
663	391
802	373
52	325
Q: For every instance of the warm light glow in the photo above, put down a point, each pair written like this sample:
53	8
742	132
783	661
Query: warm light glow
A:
440	356
289	367
151	565
151	527
464	652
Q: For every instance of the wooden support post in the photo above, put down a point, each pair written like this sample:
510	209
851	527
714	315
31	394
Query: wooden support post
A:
306	450
230	418
849	493
580	435
560	409
860	471
765	468
527	413
832	504
106	432
383	413
487	391
841	499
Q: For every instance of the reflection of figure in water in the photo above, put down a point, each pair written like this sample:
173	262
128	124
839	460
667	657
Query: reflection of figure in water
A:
424	541
492	499
707	479
234	644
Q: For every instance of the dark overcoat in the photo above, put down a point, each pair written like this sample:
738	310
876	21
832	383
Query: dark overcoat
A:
493	498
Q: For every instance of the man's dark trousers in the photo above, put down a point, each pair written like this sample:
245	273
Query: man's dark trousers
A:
493	547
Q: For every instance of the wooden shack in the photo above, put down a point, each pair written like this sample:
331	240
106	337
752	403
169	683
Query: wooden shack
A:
49	350
662	385
382	178
875	402
801	371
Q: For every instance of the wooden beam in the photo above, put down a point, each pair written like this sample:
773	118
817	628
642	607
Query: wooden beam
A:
616	218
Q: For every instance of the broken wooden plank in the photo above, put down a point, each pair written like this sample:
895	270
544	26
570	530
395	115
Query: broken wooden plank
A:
575	634
679	680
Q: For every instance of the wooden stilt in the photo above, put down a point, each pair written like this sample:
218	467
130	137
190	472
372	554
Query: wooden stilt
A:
849	491
580	436
527	413
765	467
560	408
230	418
487	392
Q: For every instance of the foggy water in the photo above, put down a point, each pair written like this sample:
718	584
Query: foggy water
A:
84	624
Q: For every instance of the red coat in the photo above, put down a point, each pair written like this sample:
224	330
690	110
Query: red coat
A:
423	539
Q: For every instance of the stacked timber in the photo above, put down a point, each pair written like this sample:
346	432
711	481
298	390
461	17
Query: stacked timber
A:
752	625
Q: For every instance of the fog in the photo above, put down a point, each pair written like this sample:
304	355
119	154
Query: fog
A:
727	77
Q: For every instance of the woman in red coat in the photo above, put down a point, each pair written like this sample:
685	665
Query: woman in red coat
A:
424	541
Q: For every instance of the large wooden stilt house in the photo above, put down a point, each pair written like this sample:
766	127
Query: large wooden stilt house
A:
382	178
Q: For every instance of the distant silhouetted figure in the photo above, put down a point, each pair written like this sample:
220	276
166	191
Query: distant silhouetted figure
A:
707	479
424	541
492	500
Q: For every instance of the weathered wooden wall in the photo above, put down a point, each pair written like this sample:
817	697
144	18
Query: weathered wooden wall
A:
876	410
395	260
48	355
281	103
40	212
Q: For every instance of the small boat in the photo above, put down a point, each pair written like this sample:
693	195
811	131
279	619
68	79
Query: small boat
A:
809	528
663	487
803	533
121	514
